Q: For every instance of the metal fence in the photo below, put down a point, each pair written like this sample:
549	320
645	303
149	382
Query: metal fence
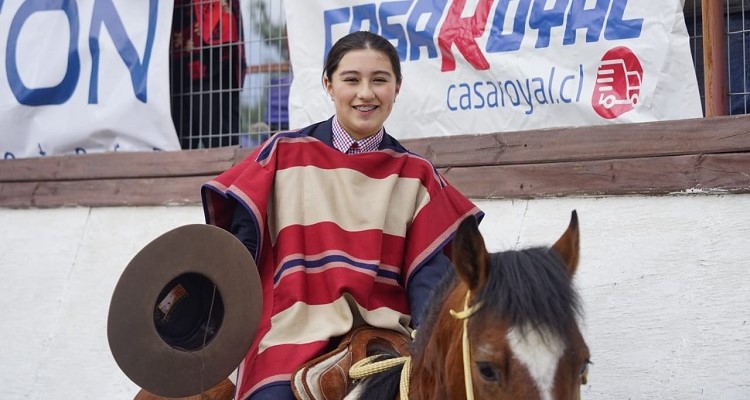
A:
229	72
230	85
736	33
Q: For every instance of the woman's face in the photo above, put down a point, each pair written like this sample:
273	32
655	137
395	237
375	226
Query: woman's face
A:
363	89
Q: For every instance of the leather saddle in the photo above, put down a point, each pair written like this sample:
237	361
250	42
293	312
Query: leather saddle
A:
327	377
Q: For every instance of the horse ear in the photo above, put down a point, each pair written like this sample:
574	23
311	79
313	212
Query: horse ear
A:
568	245
470	255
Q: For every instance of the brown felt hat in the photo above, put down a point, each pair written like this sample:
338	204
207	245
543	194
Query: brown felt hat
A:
185	311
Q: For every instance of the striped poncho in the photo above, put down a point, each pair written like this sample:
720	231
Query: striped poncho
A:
340	237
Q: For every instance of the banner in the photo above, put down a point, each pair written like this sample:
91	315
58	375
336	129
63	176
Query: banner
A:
480	66
84	77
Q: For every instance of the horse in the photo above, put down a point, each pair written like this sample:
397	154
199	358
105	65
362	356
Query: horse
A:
508	320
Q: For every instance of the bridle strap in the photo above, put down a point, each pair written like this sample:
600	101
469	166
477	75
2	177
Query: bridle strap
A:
464	315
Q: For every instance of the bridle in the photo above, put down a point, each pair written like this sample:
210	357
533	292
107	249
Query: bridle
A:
369	366
464	316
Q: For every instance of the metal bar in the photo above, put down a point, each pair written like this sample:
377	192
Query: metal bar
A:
714	58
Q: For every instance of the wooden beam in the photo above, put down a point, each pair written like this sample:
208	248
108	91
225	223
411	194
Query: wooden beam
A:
715	173
121	165
102	192
704	135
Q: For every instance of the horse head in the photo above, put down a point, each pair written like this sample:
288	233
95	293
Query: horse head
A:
522	336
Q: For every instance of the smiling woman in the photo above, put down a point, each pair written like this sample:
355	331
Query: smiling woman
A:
346	226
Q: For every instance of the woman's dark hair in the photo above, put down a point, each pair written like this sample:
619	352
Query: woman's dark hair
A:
359	41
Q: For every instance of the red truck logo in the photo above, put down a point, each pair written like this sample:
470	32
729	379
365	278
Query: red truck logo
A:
618	83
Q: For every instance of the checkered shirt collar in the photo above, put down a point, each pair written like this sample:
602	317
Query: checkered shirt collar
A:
345	143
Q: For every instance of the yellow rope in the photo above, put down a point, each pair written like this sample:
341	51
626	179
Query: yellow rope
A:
368	367
464	315
405	373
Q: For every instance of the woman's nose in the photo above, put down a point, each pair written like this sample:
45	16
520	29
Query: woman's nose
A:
365	92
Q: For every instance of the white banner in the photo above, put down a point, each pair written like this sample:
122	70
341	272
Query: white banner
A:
480	66
84	77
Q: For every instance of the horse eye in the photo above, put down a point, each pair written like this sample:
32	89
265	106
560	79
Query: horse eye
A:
488	372
585	371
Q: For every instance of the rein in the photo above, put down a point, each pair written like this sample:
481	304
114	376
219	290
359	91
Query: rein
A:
369	366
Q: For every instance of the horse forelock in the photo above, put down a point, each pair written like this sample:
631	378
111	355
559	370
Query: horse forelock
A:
531	288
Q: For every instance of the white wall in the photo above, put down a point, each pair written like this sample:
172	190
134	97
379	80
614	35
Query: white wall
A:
665	283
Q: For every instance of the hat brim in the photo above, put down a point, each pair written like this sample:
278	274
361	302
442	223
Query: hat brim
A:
134	341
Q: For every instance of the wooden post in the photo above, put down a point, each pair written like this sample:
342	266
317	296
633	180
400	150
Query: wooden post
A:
714	57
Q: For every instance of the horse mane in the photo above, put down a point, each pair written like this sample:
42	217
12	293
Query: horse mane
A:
532	288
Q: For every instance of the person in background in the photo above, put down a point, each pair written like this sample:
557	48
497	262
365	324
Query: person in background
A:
346	226
207	72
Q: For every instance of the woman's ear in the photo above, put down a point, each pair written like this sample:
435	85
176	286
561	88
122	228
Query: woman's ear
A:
328	86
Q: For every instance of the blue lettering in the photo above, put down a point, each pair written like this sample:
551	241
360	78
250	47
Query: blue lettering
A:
331	18
562	88
526	97
104	13
549	85
524	93
448	98
580	82
492	97
61	92
464	101
517	100
479	95
617	28
544	20
362	13
499	41
539	90
590	19
394	31
424	38
9	156
425	15
80	150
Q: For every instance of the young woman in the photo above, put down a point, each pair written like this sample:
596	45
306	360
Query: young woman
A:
346	226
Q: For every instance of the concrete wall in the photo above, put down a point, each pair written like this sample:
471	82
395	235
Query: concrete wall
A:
665	283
